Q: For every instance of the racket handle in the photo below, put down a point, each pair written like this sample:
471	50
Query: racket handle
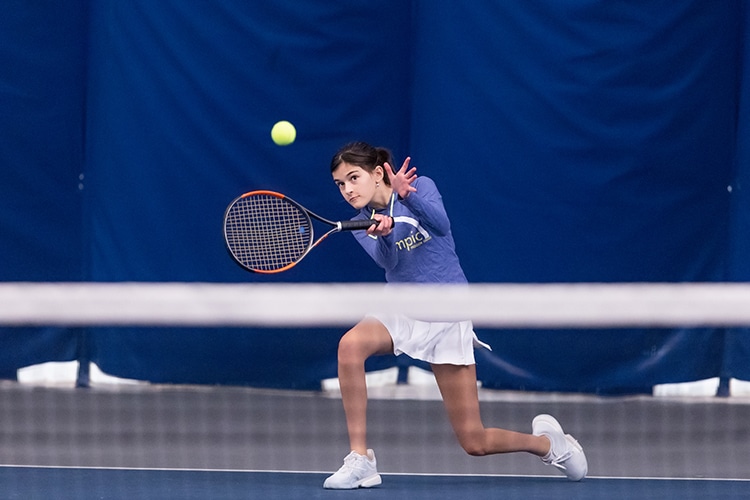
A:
353	225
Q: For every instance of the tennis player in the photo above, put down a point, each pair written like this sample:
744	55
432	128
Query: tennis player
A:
412	242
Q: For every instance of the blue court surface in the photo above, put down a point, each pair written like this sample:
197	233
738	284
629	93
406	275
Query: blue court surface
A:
130	484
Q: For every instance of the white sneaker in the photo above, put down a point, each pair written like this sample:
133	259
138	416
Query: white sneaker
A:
565	453
358	471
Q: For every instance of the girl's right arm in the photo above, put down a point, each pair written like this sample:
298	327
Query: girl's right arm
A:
380	248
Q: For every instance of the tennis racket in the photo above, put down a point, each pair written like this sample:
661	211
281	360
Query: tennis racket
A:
267	232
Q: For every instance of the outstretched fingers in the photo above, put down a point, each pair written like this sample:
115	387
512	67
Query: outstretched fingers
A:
401	181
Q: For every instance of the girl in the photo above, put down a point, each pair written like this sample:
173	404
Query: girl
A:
413	243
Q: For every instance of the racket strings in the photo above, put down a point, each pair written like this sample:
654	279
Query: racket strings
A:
267	233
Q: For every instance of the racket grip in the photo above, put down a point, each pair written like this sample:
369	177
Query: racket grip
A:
353	225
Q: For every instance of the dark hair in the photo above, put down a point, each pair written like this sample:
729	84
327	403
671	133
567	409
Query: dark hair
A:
363	155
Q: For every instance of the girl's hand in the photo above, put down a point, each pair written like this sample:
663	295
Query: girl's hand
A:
383	227
401	181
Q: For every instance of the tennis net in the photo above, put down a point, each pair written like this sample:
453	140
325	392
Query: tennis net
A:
237	427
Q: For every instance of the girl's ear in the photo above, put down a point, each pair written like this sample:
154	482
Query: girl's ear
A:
379	172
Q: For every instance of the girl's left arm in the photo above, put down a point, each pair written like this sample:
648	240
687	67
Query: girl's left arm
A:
421	196
427	204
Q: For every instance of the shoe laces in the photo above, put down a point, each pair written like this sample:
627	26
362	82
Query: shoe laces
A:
559	460
352	463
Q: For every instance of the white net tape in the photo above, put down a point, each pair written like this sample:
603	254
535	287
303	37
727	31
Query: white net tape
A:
318	305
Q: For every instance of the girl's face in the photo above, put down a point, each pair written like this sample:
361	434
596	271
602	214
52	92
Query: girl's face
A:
357	185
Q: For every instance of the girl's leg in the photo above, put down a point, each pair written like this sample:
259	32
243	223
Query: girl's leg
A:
458	386
368	338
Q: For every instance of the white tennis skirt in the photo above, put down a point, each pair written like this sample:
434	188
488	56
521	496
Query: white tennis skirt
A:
444	343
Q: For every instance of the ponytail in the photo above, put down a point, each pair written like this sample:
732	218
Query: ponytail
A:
365	156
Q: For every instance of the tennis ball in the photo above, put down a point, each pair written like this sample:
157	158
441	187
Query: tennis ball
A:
283	133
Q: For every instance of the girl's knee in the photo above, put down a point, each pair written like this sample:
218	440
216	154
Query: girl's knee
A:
473	443
474	448
366	339
351	349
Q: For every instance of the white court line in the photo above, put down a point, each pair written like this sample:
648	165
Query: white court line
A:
420	474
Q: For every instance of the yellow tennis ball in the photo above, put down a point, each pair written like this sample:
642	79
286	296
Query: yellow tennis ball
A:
283	133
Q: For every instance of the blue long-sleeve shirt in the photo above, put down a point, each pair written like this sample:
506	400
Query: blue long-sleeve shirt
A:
420	248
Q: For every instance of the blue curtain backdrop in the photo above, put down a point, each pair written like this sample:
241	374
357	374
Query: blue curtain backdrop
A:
573	141
42	102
